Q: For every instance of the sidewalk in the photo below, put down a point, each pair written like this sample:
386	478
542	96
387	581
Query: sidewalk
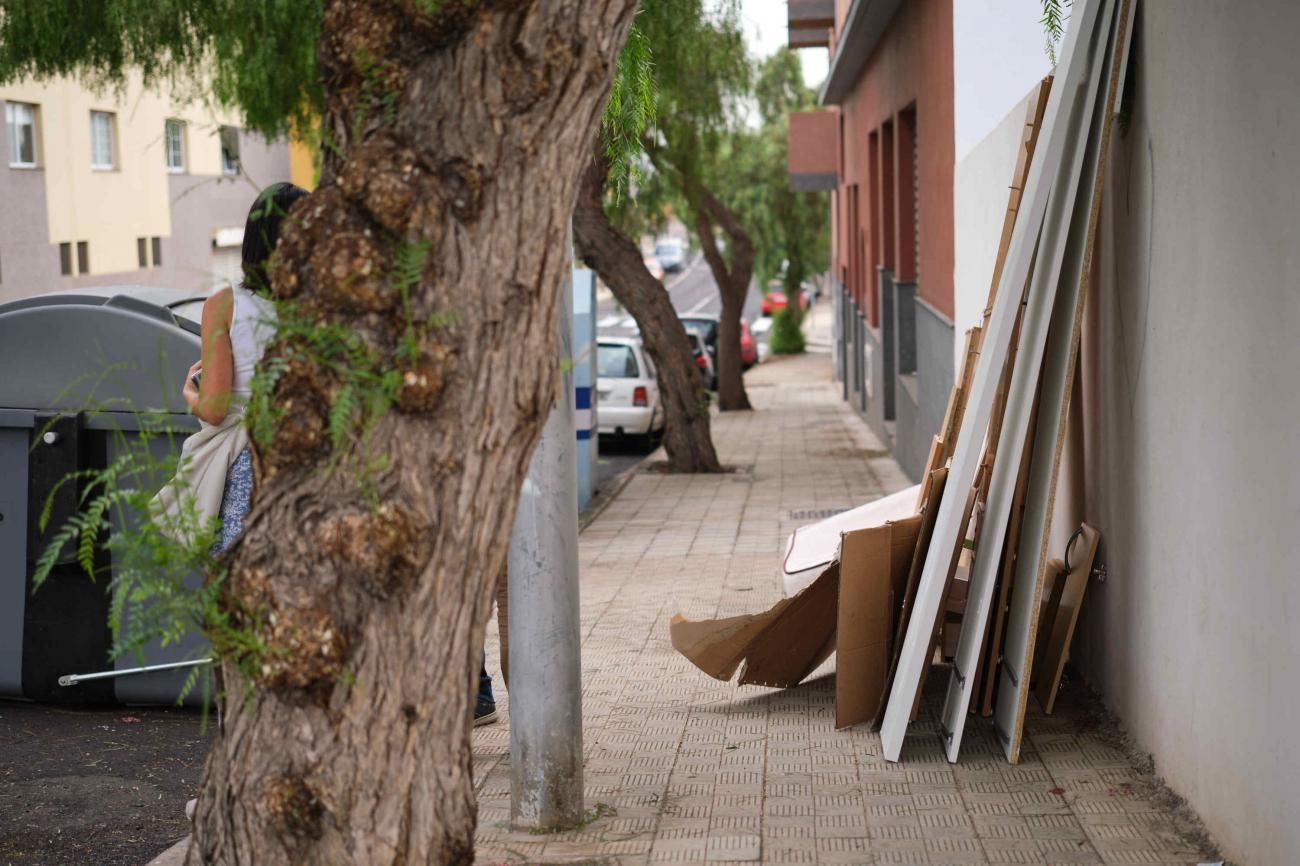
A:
685	769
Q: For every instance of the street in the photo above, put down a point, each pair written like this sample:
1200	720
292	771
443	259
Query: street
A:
692	290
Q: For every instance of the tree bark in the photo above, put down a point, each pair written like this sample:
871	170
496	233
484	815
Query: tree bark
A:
733	285
359	592
618	261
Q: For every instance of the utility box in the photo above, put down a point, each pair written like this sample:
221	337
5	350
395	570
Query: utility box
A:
584	380
78	370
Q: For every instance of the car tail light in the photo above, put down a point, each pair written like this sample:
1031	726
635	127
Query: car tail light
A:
701	363
639	396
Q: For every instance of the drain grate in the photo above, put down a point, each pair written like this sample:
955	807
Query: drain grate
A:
815	513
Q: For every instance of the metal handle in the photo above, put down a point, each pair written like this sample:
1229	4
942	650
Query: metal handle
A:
73	679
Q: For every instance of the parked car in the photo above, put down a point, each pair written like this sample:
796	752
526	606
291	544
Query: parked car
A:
671	253
775	300
706	325
627	389
656	270
703	360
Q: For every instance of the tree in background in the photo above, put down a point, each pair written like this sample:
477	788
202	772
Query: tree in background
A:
607	214
702	74
394	419
791	229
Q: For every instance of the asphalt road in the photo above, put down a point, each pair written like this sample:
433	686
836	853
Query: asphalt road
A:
692	290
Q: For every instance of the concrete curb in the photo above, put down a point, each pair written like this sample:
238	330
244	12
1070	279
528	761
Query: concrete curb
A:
173	856
610	492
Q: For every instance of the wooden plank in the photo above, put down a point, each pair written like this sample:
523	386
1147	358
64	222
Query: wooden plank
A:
936	627
1053	286
927	479
993	649
960	394
1058	381
948	525
928	511
1029	140
1057	645
1054	585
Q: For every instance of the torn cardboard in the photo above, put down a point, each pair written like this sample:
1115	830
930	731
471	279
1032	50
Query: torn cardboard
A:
874	564
853	599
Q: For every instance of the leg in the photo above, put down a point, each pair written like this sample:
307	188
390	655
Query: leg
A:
485	706
503	625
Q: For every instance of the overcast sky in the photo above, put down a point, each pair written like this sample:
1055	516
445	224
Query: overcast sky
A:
765	30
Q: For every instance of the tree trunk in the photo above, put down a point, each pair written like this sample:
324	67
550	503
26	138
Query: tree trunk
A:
618	261
733	285
414	367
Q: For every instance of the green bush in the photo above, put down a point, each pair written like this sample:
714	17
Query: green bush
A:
787	337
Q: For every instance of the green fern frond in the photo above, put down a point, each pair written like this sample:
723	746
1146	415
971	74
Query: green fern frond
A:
341	411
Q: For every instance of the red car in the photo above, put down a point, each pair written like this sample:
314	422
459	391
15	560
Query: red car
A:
775	300
706	325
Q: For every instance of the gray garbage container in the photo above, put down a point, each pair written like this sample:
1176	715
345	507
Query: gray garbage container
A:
76	368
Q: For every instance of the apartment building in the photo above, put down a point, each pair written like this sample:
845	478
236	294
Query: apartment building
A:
909	83
132	187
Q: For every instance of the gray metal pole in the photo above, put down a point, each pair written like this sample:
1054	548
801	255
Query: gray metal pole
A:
545	664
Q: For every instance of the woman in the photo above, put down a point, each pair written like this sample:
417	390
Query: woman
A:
237	325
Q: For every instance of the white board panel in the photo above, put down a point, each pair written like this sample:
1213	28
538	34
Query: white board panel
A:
1065	228
1015	672
970	439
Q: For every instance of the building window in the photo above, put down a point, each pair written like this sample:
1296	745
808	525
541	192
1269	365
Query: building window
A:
102	133
142	252
65	259
229	150
174	140
20	120
83	257
157	252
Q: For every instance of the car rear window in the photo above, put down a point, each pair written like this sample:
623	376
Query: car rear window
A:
616	362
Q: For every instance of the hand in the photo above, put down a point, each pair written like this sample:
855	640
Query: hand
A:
190	392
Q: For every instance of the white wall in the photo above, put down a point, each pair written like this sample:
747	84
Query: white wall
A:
1192	383
999	52
981	184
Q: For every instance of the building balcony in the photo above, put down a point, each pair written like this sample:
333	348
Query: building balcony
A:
811	22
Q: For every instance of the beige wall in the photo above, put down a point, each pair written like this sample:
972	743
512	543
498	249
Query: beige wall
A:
111	209
1191	369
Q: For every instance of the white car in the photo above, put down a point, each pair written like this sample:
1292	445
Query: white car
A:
671	253
627	391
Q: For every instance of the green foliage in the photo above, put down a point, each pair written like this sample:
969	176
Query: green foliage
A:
699	76
790	230
258	57
1053	22
151	557
631	110
786	337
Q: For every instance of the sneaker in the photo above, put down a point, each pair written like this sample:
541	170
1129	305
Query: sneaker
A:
485	713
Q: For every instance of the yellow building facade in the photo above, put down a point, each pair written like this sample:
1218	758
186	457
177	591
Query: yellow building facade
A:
110	187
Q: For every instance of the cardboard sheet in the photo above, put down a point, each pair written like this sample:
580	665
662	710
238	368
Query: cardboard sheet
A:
813	547
781	646
1066	615
873	573
719	646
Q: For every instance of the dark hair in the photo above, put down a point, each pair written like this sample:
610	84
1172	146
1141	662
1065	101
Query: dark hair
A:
262	232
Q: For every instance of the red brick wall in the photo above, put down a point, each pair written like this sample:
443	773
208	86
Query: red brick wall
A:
911	66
